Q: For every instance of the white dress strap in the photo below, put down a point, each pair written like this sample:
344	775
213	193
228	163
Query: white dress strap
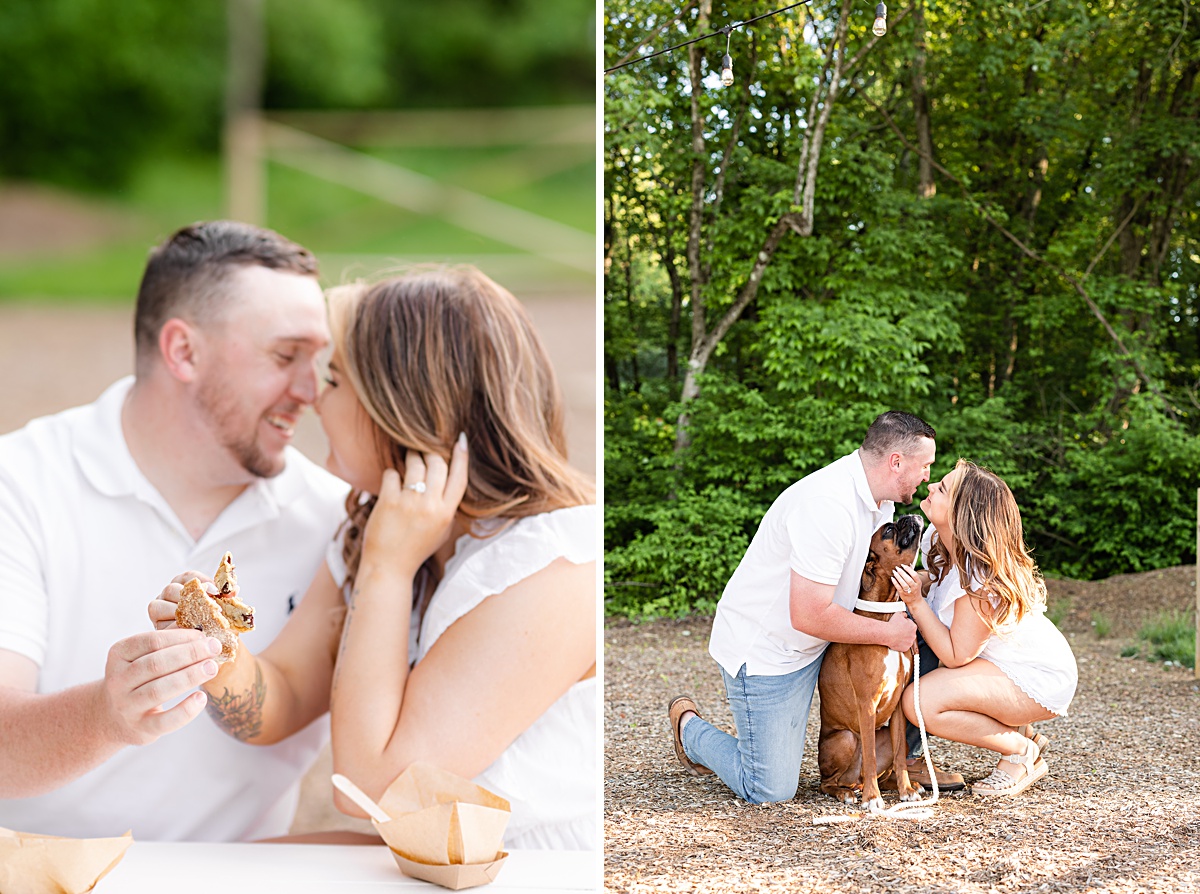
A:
484	566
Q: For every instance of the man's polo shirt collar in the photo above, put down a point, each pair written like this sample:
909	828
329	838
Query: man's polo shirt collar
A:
98	444
863	487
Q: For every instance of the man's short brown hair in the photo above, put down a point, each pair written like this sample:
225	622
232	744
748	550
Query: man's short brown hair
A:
185	275
896	432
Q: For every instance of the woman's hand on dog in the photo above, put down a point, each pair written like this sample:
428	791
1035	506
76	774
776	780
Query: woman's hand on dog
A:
907	584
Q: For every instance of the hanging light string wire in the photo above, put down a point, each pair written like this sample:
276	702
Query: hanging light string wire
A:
727	30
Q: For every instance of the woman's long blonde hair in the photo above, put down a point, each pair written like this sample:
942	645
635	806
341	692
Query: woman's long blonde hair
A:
443	350
989	548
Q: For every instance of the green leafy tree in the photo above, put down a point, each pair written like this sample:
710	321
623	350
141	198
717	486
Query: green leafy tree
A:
1003	238
93	87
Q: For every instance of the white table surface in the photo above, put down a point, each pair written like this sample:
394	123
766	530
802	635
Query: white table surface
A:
151	867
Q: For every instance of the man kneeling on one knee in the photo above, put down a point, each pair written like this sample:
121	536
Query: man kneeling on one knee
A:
792	594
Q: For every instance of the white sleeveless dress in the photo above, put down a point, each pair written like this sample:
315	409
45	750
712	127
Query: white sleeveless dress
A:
551	772
1033	654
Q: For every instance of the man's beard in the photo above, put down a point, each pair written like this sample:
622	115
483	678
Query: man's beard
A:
222	414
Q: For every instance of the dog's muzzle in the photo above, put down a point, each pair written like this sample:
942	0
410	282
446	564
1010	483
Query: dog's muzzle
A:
905	531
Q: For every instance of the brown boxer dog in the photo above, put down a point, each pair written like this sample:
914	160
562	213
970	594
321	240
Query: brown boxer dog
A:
861	685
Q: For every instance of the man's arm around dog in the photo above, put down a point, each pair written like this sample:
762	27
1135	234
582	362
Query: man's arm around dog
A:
814	612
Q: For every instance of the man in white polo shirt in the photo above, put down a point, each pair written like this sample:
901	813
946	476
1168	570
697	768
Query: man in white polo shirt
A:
792	594
101	505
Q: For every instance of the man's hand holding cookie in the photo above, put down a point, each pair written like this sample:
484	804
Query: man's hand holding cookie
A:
194	601
145	671
162	608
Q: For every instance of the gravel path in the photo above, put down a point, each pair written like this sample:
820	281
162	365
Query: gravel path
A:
1120	811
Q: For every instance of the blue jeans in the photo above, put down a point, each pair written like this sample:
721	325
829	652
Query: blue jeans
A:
762	763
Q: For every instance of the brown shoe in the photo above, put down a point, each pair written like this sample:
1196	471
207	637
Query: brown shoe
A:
918	774
679	706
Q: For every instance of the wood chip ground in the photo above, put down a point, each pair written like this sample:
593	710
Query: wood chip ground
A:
1119	812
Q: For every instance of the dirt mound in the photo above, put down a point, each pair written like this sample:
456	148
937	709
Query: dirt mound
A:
40	220
1126	601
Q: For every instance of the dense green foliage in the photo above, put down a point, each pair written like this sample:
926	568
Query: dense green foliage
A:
1074	126
89	87
93	87
468	53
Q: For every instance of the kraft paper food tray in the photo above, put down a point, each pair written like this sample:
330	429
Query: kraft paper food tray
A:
456	878
46	864
443	828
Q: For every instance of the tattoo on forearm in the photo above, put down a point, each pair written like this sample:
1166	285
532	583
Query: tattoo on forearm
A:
241	714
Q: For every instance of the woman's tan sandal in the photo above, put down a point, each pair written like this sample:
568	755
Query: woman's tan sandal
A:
1003	783
1042	742
679	706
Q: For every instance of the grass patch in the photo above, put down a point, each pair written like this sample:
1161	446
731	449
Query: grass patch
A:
1101	624
167	192
1169	637
107	276
1058	610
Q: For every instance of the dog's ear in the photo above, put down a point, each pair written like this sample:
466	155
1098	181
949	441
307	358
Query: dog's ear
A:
869	572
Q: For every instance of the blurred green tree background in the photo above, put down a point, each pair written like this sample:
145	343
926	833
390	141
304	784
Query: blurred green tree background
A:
1034	292
120	102
94	87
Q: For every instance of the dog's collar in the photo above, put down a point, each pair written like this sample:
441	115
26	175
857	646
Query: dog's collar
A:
886	608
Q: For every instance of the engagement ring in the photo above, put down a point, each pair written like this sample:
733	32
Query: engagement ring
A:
418	486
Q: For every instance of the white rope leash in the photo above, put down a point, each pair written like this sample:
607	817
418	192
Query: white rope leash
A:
912	810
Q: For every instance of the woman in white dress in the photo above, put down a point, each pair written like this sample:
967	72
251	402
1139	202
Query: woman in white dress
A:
1004	665
455	618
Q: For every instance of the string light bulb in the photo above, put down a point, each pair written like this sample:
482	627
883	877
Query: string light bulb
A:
726	31
727	71
727	61
880	27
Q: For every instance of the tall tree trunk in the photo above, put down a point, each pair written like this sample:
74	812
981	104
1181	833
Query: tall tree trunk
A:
1012	349
676	306
627	268
695	219
611	369
608	234
611	372
836	70
1133	237
1145	243
926	188
1040	164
